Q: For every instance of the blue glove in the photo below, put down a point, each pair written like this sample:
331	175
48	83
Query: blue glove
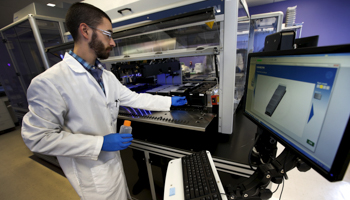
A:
116	141
178	101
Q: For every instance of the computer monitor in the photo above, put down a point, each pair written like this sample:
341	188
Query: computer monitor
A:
302	98
311	41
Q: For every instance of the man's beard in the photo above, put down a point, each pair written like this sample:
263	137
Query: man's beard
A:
98	47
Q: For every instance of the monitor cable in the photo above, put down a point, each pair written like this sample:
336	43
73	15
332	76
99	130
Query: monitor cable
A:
282	189
251	151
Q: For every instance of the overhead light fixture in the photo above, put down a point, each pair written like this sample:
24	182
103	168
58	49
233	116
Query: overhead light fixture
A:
51	4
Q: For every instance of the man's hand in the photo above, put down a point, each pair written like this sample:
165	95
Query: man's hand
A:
178	101
116	141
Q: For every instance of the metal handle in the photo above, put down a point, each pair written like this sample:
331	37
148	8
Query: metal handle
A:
121	11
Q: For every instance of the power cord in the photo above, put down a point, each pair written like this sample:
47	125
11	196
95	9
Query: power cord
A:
251	150
285	174
282	189
276	189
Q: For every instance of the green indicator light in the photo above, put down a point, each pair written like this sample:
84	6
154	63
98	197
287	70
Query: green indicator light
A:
310	142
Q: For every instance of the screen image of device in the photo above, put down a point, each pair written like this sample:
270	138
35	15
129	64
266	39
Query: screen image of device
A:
301	97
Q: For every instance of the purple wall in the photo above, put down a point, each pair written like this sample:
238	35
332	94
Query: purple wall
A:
327	18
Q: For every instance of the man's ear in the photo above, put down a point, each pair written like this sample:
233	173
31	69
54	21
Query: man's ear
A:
84	31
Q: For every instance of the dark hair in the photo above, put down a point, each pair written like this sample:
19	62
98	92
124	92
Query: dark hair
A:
83	13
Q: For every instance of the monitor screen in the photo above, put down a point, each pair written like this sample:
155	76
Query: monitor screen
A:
302	98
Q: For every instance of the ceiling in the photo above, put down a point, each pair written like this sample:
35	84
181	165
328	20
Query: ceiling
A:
9	7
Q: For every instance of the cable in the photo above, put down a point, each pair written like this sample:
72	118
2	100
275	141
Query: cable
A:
282	188
284	164
251	150
217	81
285	174
276	189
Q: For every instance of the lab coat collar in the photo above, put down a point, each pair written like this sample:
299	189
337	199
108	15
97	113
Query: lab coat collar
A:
73	64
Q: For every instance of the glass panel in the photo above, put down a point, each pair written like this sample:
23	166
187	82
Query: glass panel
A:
204	34
241	59
50	35
23	49
198	68
243	34
259	29
10	81
57	56
243	10
187	30
68	37
297	28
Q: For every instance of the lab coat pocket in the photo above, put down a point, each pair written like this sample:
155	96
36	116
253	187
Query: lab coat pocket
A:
108	176
114	110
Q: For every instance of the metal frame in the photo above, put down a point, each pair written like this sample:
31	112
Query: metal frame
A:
172	153
296	28
60	23
32	21
178	4
245	6
35	16
168	152
38	40
278	14
150	175
227	69
14	23
62	30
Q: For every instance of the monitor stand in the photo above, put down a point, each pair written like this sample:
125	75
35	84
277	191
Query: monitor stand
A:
269	168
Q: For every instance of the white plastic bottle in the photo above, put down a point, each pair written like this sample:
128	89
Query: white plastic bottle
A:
125	128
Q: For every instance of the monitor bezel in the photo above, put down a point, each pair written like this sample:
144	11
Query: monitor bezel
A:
342	157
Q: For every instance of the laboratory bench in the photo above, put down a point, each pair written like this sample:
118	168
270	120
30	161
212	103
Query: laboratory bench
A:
145	162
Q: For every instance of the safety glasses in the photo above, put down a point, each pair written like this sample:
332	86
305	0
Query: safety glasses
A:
107	33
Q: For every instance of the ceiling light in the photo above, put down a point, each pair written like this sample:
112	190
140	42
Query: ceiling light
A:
51	4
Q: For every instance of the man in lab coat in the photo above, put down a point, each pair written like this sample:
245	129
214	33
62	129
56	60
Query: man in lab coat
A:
73	108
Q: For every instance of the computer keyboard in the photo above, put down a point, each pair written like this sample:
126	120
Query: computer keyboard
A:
198	178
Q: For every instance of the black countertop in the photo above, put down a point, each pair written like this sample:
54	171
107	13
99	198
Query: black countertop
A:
234	147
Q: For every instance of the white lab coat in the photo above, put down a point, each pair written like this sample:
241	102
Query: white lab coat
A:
68	116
